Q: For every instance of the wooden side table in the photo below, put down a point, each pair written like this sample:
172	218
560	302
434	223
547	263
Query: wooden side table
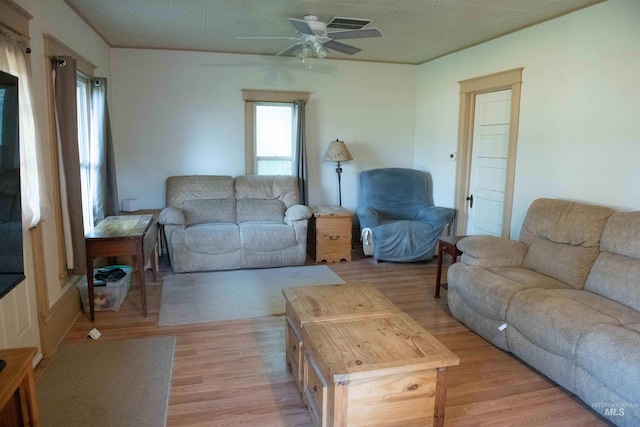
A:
446	245
18	402
329	234
153	239
113	236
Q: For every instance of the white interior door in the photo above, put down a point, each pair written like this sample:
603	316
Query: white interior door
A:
489	163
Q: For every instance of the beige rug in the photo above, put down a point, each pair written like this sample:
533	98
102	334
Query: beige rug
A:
108	383
239	294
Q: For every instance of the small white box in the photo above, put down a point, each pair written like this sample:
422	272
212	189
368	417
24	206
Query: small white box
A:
129	205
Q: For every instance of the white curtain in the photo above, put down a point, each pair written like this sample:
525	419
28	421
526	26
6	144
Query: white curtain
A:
14	60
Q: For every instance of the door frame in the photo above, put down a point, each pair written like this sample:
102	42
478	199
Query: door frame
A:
509	79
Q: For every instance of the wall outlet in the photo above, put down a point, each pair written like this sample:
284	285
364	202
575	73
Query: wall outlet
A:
453	156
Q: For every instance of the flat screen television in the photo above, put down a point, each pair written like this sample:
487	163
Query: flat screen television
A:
11	257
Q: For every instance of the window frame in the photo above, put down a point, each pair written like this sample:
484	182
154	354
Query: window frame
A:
256	157
251	97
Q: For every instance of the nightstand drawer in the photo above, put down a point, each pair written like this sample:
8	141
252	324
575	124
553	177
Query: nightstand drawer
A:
342	224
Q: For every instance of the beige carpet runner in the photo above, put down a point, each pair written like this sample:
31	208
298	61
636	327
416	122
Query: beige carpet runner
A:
108	383
239	294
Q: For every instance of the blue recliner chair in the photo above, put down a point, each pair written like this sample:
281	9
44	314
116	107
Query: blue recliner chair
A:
396	206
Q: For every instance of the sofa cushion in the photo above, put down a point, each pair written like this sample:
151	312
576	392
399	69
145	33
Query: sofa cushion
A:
489	291
490	251
268	187
621	313
616	271
564	222
621	235
567	263
529	278
611	354
267	237
213	238
563	238
196	187
483	291
260	210
202	211
552	321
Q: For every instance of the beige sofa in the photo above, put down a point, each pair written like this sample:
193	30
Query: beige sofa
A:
565	299
222	223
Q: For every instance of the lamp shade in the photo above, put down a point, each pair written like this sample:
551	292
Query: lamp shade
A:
337	152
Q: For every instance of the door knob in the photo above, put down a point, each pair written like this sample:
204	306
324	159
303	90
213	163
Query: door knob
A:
470	199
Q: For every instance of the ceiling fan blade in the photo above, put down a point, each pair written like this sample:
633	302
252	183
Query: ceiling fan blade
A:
289	50
355	34
301	26
341	47
259	37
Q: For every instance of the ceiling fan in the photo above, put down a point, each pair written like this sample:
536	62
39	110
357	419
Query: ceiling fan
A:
313	37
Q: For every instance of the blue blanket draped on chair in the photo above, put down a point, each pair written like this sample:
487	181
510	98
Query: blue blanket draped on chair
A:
396	205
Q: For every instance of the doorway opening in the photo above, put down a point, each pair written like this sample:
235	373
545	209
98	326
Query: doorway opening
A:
487	142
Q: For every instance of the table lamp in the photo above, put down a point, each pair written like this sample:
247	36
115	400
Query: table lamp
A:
338	152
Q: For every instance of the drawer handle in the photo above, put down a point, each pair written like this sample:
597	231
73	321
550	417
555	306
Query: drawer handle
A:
314	389
294	347
334	237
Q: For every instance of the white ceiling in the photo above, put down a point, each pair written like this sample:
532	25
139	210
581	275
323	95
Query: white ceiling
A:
413	31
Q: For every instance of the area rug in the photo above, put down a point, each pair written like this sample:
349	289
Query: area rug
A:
239	294
109	383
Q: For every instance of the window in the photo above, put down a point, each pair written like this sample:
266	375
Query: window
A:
273	138
84	147
269	131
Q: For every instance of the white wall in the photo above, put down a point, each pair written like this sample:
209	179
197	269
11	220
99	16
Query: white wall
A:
177	113
579	136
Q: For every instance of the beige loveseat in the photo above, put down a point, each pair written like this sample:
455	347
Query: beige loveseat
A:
222	223
565	299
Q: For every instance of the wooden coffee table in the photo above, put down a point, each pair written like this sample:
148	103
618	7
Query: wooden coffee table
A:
118	236
363	360
324	304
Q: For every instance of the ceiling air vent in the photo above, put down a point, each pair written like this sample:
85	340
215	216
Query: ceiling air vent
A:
348	23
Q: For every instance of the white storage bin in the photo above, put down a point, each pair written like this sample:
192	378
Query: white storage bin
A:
107	296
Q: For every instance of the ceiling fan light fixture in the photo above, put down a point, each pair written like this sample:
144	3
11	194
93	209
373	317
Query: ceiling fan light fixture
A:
305	52
321	51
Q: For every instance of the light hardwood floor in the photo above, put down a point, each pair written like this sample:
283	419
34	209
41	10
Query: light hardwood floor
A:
234	373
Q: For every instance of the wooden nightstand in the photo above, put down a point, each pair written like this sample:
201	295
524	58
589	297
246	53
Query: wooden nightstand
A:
329	235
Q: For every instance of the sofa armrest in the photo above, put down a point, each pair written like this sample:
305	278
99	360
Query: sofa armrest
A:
172	216
297	213
368	217
491	251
